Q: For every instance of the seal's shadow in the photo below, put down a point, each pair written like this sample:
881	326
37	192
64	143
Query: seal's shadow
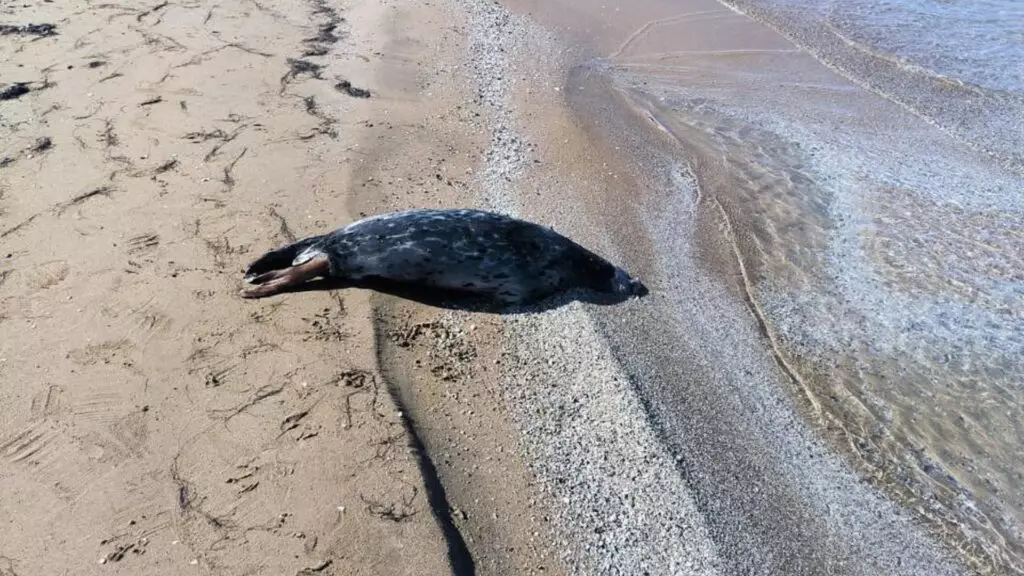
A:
467	302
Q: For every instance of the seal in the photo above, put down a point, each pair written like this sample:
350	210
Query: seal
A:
463	251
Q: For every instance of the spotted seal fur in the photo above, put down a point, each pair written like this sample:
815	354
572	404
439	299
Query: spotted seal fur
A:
464	251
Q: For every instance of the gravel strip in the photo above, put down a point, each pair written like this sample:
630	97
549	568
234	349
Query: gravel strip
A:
620	503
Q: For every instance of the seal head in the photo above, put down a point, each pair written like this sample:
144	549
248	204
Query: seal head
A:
624	285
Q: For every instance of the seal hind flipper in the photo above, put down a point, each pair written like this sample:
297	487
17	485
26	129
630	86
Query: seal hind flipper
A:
282	280
267	276
279	258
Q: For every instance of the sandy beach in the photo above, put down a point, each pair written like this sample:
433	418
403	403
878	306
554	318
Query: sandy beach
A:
155	422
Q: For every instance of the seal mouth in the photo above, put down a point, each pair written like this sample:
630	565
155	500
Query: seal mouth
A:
626	285
638	289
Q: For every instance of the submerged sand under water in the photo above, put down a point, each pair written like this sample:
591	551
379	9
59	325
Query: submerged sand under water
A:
879	250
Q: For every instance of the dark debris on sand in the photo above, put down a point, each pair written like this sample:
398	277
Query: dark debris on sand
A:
297	68
12	91
39	30
41	145
326	33
347	87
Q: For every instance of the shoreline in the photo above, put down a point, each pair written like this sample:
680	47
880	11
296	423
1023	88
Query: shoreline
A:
924	476
786	516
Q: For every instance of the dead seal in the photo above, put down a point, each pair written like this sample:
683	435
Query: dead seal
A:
462	251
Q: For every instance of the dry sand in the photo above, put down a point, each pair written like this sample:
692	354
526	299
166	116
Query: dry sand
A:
154	422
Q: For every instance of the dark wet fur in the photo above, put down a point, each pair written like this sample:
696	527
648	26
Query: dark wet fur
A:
472	258
468	301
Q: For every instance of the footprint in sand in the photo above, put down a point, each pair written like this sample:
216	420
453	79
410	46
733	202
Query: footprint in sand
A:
46	275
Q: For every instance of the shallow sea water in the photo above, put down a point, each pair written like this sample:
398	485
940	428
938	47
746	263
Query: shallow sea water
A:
980	42
883	238
863	163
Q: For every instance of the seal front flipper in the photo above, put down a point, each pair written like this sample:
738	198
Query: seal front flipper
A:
278	259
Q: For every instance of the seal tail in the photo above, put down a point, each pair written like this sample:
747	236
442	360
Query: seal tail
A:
280	258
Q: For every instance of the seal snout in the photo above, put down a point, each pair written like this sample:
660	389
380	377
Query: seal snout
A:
638	288
626	285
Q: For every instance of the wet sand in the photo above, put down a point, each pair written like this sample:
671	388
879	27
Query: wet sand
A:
671	98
